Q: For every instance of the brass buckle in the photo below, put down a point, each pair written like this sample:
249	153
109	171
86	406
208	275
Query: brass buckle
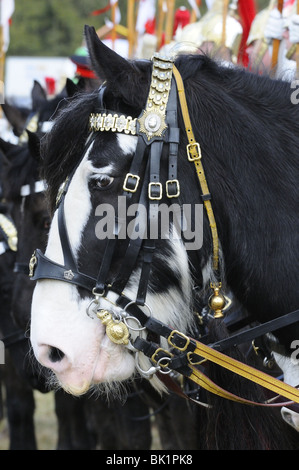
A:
136	177
176	182
150	186
191	157
182	336
194	363
168	355
32	264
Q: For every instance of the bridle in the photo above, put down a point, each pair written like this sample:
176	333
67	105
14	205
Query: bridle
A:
156	126
151	130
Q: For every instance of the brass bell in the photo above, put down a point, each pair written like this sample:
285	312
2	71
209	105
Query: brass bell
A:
116	331
217	301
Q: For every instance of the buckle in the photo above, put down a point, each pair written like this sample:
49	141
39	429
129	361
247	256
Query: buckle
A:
152	188
176	187
32	264
197	155
192	361
165	356
181	335
136	182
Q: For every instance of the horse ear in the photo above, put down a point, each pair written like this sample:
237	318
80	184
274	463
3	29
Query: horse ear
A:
16	117
38	95
34	145
105	62
71	88
124	76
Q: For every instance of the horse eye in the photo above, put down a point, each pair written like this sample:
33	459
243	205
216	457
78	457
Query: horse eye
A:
47	223
104	181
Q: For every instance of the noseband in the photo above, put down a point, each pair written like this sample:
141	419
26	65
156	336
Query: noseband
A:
156	126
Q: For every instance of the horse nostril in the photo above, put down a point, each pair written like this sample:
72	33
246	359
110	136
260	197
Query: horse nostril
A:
55	355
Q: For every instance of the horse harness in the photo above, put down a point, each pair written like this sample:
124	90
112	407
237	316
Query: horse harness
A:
9	242
7	227
157	125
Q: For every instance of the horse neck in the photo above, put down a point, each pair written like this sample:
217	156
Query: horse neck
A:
242	179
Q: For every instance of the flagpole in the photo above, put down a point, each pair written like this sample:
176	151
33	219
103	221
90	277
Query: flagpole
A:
224	16
193	16
276	42
169	21
113	18
160	23
2	58
131	27
297	48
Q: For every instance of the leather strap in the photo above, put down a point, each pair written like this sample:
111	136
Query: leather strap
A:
190	352
22	268
194	154
257	331
248	372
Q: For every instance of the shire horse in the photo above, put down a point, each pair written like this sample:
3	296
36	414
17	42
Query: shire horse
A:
122	293
84	423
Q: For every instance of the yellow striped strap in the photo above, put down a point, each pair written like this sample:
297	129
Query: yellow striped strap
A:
248	372
281	388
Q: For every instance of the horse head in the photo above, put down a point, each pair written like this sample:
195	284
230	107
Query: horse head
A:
128	254
96	173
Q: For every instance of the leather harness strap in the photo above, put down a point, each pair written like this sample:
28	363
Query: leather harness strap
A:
194	154
190	353
257	331
248	372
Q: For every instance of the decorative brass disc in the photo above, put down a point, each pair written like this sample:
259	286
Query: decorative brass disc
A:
152	122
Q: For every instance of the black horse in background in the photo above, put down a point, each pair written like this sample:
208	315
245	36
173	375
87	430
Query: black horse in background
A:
15	372
248	132
39	114
22	373
20	177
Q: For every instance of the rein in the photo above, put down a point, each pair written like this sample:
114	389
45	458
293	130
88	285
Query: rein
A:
156	125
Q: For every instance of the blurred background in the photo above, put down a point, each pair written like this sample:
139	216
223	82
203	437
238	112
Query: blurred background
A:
55	27
39	38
